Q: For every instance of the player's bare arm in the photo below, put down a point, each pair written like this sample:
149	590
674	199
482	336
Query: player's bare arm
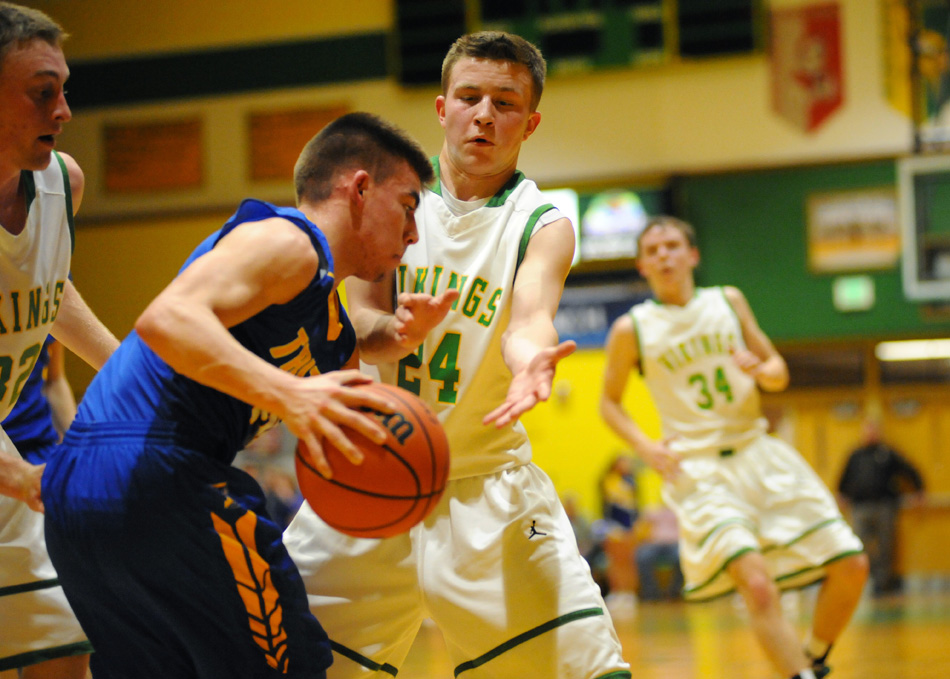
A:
57	389
255	266
77	180
530	345
386	335
622	358
76	326
762	361
80	331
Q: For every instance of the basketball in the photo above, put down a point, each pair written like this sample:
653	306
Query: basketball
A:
399	481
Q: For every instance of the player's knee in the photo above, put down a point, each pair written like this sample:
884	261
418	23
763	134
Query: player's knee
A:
757	588
853	570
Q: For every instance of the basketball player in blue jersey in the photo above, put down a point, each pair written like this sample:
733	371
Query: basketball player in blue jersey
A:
753	516
496	564
45	408
40	190
180	573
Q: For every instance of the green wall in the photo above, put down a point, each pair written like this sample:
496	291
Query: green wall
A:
752	233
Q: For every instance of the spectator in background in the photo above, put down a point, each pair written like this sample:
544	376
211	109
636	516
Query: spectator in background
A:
589	540
582	528
871	485
618	492
658	552
269	458
283	495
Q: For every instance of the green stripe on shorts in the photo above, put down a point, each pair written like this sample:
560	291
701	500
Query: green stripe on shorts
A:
42	655
29	587
527	636
362	659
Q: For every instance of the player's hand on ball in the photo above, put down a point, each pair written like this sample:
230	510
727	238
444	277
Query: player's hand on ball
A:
400	480
326	404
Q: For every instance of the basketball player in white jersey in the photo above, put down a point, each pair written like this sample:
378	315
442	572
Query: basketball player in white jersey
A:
496	565
753	515
39	192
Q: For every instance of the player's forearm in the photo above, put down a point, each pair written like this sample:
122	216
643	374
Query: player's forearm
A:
521	343
772	374
377	337
62	403
622	425
80	331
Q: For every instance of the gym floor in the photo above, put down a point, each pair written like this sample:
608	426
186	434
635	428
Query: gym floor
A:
894	637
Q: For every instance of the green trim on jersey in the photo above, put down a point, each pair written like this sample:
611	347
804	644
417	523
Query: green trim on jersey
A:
436	187
29	191
528	229
69	202
636	338
496	201
29	188
527	636
499	198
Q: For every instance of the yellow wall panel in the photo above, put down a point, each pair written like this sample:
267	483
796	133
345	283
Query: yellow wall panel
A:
570	440
101	29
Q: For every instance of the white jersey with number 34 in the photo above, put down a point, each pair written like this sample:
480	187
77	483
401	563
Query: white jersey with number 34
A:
704	399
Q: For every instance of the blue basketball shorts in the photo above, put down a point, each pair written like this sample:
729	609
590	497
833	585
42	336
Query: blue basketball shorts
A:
170	562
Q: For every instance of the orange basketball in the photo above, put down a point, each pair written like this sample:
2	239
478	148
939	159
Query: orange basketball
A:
399	481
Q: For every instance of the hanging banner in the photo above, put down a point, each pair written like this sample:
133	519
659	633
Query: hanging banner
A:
807	77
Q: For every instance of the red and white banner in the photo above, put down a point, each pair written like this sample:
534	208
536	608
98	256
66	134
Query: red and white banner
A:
807	74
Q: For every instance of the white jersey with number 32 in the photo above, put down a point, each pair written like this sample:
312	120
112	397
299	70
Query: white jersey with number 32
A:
34	265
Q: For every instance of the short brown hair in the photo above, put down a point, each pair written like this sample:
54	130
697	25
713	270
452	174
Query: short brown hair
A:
498	46
22	24
666	220
356	140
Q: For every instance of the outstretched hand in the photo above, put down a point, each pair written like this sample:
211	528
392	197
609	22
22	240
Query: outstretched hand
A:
417	313
530	385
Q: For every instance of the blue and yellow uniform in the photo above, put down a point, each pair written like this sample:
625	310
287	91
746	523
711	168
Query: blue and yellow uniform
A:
30	424
144	480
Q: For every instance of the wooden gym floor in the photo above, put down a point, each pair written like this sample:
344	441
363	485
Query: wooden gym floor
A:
894	637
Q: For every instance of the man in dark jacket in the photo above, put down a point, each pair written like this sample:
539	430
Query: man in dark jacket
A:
872	483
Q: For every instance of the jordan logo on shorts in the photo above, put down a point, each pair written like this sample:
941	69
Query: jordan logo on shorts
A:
534	530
